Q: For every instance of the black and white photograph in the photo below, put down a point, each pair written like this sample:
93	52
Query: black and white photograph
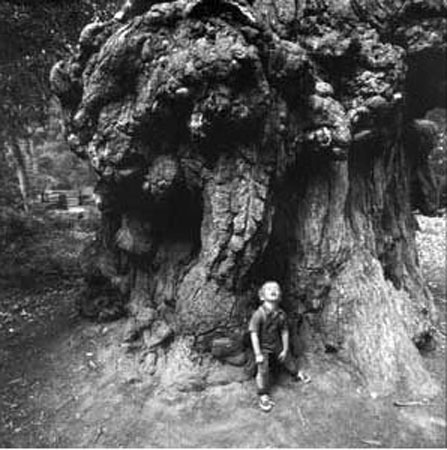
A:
223	223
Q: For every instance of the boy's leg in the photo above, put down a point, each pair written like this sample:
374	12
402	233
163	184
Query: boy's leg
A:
262	376
292	367
263	384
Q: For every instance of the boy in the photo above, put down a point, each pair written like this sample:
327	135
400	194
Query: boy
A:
270	340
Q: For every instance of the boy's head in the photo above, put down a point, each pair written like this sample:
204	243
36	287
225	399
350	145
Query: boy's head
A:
270	291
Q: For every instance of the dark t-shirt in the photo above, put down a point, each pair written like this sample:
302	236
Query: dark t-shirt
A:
268	325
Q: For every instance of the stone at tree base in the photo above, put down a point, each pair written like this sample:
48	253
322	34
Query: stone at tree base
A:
131	331
149	364
145	317
238	359
158	334
137	324
281	141
226	346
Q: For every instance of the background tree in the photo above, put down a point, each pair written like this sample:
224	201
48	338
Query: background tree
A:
33	36
240	142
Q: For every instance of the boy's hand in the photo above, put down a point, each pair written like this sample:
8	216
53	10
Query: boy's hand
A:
259	358
282	356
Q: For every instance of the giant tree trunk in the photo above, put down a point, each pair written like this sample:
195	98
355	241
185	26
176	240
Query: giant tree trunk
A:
237	143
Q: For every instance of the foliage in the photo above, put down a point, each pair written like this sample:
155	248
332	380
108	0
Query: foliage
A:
59	169
40	37
9	193
439	155
33	36
36	249
56	167
14	225
42	32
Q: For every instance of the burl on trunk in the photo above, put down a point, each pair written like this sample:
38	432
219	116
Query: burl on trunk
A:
239	142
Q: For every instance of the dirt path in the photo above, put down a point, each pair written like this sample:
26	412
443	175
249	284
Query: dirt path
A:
65	383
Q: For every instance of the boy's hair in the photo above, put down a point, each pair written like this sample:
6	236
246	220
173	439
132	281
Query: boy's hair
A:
262	288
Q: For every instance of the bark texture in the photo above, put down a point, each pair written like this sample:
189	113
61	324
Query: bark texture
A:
239	142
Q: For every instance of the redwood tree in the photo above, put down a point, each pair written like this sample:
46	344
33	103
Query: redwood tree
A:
238	142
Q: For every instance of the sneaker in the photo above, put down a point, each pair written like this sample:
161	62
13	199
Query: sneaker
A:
266	403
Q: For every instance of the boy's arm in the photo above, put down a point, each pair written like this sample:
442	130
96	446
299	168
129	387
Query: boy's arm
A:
285	342
254	327
256	346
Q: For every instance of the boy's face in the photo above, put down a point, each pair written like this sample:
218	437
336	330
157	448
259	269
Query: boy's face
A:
271	292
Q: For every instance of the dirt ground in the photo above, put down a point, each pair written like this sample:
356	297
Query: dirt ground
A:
64	383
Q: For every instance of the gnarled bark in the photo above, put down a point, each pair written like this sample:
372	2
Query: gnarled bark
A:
283	139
